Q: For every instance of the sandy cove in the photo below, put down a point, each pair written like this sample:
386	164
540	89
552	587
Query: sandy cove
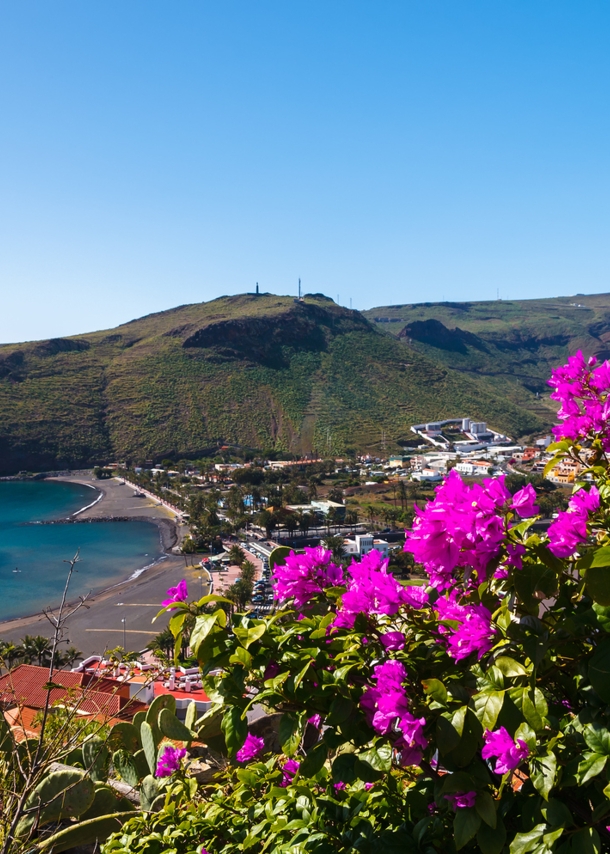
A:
98	625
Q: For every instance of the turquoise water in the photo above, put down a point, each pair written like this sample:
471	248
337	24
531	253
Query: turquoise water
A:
109	551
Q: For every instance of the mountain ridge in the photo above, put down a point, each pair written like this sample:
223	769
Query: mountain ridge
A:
262	371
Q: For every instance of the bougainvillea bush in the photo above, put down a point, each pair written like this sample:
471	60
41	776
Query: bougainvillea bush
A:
470	712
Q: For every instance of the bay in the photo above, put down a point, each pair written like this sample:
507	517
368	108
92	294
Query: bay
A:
109	552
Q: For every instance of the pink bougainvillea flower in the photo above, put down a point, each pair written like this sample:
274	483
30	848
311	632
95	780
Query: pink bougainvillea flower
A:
371	589
271	670
524	502
289	769
474	632
462	800
462	527
176	594
252	746
508	753
303	576
392	641
169	761
315	720
569	530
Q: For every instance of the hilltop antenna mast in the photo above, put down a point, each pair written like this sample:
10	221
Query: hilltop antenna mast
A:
350	303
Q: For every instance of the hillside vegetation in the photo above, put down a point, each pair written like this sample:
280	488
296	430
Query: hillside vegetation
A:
264	371
514	345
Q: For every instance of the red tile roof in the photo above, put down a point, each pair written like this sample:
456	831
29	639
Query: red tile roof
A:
24	686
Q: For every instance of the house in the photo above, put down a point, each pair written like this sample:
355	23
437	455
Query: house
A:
474	468
427	474
23	695
362	544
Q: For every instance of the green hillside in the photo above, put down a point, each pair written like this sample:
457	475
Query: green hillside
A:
261	371
513	345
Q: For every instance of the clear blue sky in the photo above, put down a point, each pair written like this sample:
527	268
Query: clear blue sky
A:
157	153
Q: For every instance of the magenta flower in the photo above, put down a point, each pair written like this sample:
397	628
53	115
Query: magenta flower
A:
303	576
315	720
411	742
176	594
581	387
509	754
387	700
169	761
474	632
524	502
462	800
372	589
569	530
463	527
271	670
252	746
339	786
392	641
289	769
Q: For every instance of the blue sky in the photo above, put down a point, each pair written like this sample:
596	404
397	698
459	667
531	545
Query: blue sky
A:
156	153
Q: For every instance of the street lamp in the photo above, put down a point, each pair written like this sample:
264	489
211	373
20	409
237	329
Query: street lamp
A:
200	585
124	632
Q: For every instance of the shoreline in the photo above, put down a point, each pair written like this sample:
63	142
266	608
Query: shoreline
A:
115	504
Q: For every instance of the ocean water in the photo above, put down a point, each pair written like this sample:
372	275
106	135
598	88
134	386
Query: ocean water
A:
109	551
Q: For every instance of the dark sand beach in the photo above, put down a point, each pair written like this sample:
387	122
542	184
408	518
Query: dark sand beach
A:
98	624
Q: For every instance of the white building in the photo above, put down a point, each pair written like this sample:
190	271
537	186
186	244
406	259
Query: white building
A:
362	544
473	468
427	474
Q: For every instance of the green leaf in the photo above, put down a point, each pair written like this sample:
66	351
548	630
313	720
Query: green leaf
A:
526	734
301	675
314	761
535	709
551	464
458	718
234	728
586	841
340	710
510	667
487	707
486	808
278	556
597	738
533	583
203	626
213	597
378	757
590	766
597	583
148	744
543	770
176	622
492	840
290	732
524	842
599	670
344	768
434	688
465	825
595	558
241	656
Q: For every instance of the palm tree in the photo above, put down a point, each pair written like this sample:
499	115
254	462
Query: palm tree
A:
236	555
9	654
70	655
36	648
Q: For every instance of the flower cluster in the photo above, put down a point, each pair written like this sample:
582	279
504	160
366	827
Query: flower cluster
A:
509	754
303	576
570	528
169	761
176	594
386	707
252	746
464	527
474	632
289	769
462	800
581	387
372	589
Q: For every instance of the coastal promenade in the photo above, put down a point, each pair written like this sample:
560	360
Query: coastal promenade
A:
99	624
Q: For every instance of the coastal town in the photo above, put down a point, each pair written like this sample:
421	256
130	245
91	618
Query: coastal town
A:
220	522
